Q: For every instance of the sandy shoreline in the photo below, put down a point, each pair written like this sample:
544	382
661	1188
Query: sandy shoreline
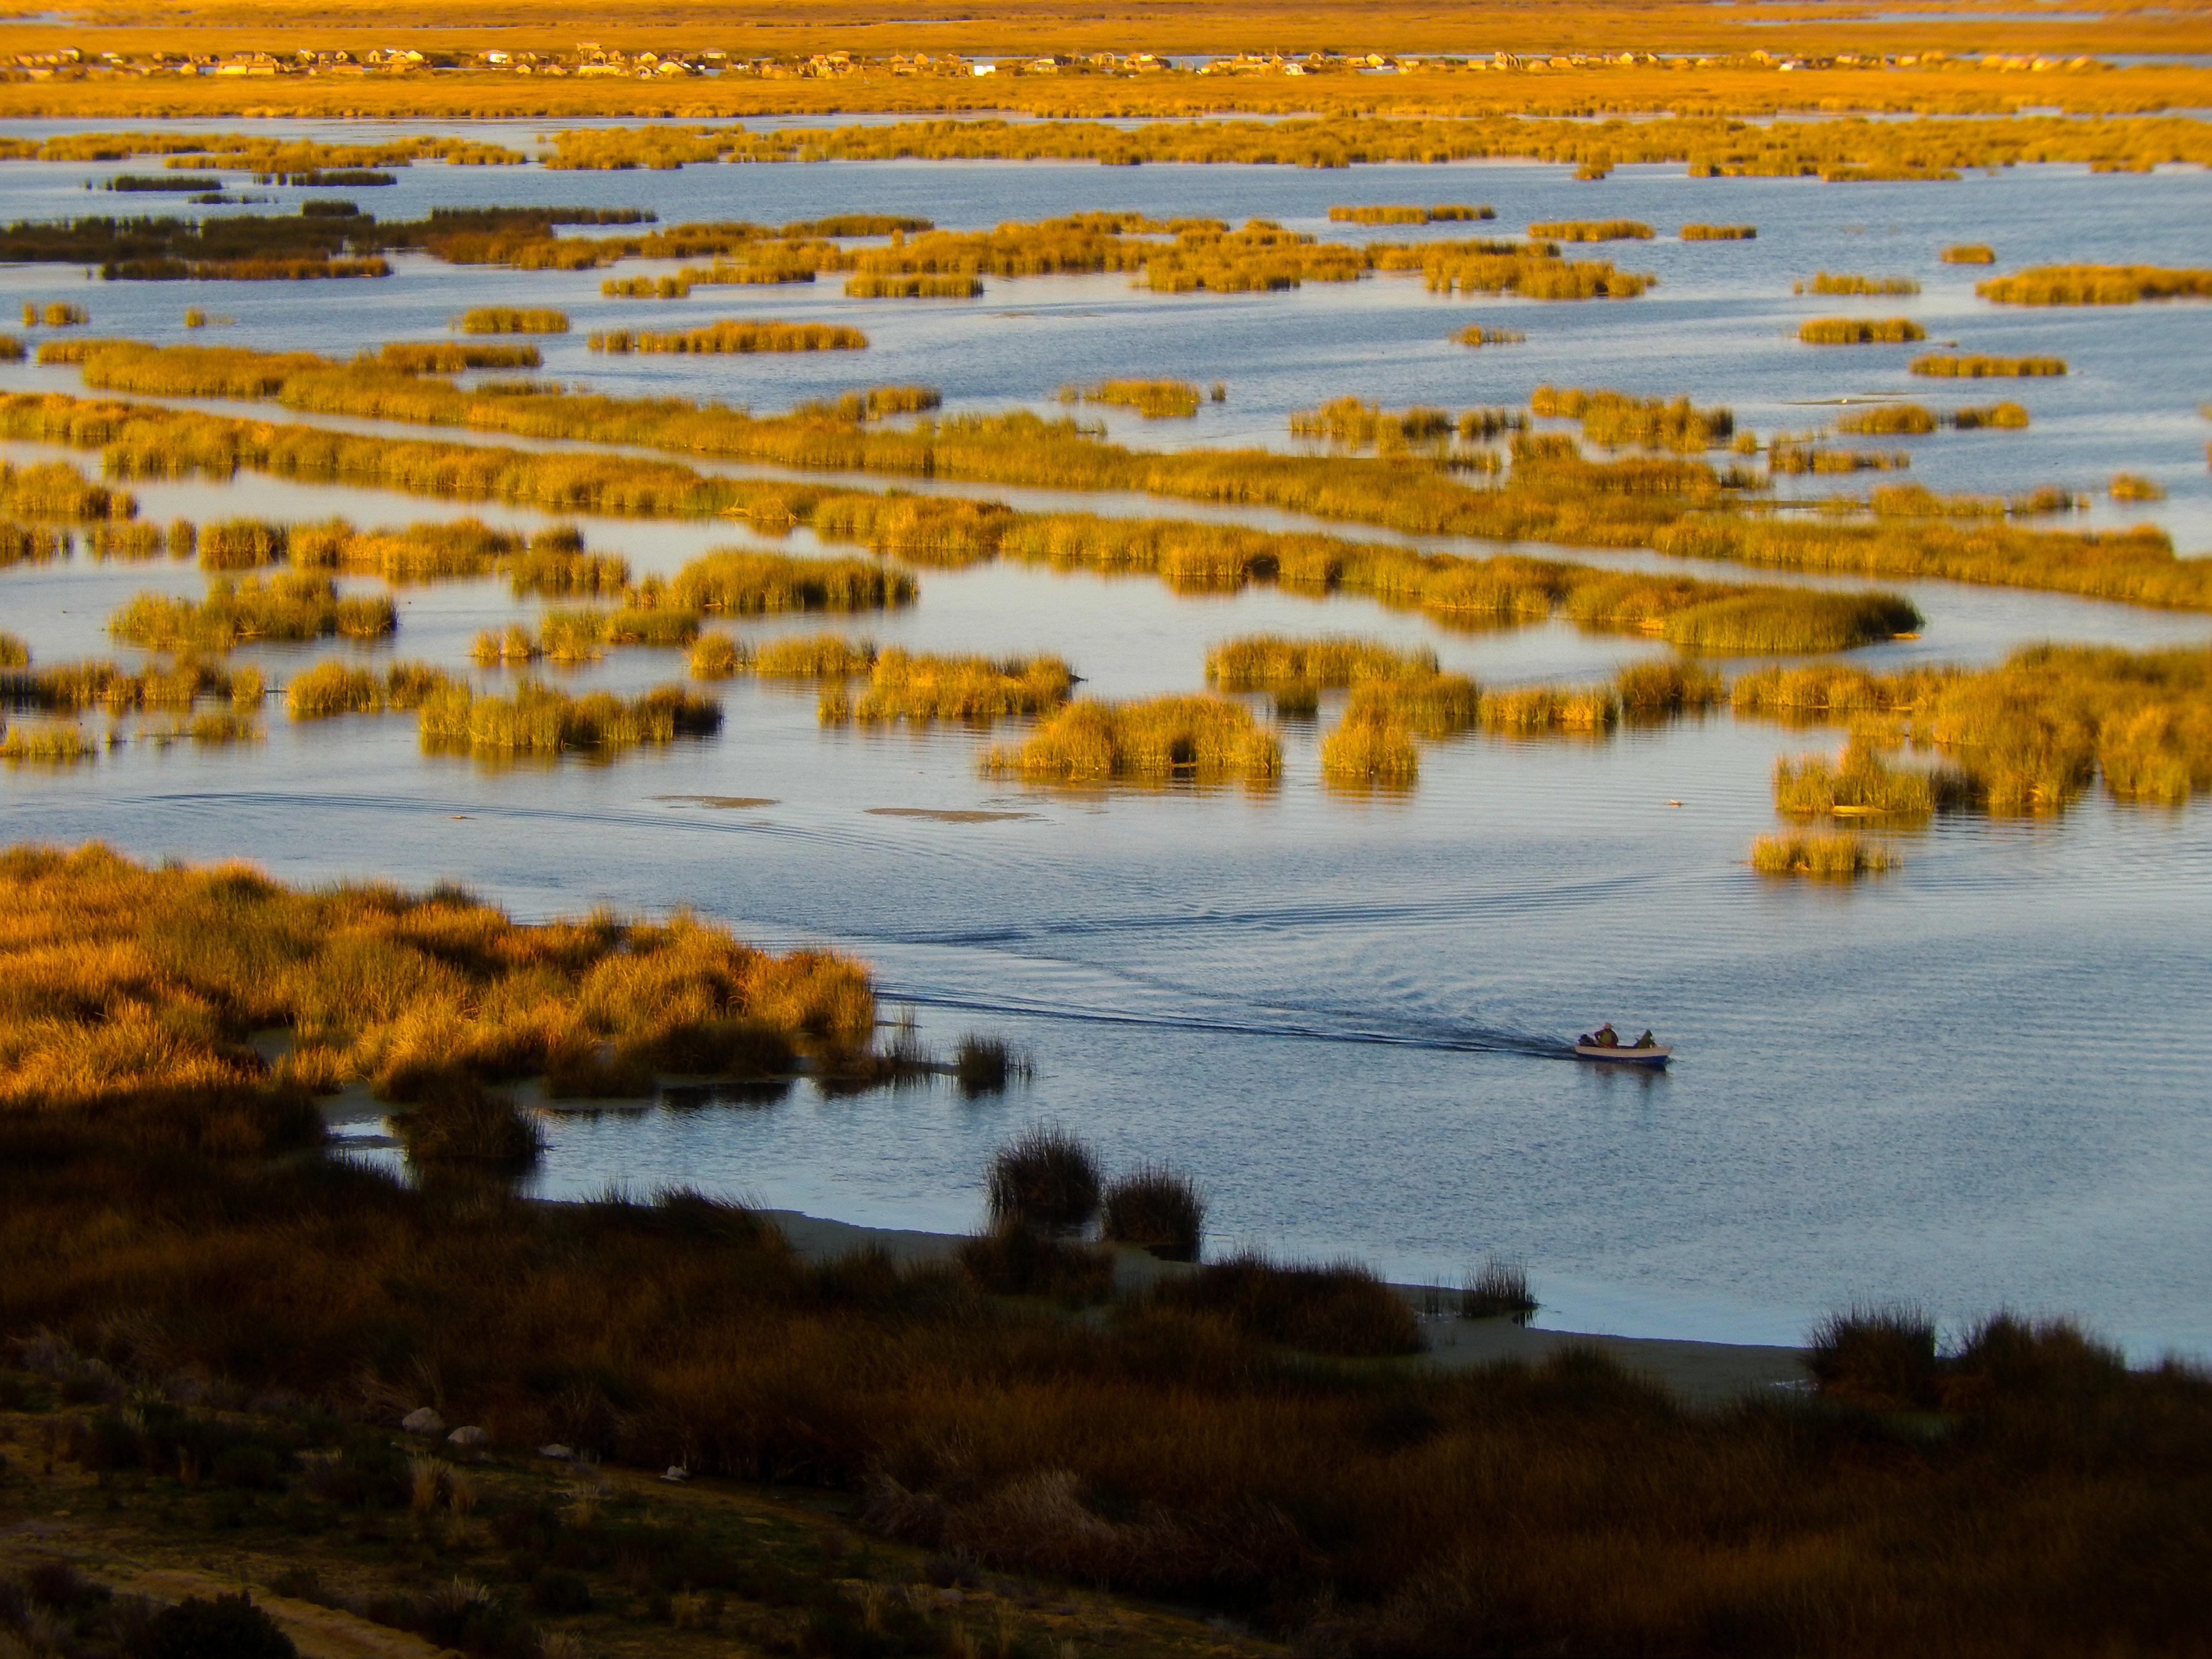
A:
1699	1373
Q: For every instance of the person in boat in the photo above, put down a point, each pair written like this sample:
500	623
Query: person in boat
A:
1606	1037
1646	1041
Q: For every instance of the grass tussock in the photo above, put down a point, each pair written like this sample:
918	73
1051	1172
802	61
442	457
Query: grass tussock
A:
14	653
1264	661
131	992
1408	215
1046	1179
1828	857
1591	230
46	744
1157	1208
812	657
1497	1290
1827	281
2002	416
1156	400
1482	334
1719	233
287	606
921	688
1889	420
725	338
334	688
1538	710
1650	690
540	721
1860	783
2133	487
56	491
1371	748
1969	253
1616	420
1204	740
509	319
1860	331
736	582
443	357
1943	366
2095	285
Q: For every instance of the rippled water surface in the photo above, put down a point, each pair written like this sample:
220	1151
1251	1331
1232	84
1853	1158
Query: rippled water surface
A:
1981	1079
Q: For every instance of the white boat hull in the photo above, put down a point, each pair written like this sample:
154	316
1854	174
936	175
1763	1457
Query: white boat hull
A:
1623	1055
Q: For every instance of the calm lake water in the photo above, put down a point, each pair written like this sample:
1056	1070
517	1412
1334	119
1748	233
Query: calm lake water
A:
1979	1081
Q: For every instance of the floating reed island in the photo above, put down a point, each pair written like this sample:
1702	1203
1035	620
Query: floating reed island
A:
1408	215
920	687
1616	420
1861	783
509	319
1969	253
2095	285
539	720
287	606
1483	334
1715	233
1193	740
1590	230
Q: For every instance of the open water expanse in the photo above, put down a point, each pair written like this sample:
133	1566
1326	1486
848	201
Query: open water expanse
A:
1980	1081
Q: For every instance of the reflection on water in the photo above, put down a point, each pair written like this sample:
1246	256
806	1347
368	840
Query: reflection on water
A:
1979	1079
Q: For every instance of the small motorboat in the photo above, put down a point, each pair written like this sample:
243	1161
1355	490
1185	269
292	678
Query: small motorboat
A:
1620	1054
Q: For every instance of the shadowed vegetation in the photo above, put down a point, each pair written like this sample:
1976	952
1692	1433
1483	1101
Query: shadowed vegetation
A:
2095	285
1497	1290
1046	1179
1156	1208
1833	858
1203	740
1340	1309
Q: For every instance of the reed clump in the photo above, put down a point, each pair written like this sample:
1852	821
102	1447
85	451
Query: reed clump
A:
978	691
1533	710
1591	230
2095	285
241	545
46	744
1483	334
2003	417
1408	215
896	285
1202	740
58	491
1046	1179
1497	1290
1851	283
441	357
1156	400
1369	749
1715	232
1889	420
811	657
1616	420
736	582
510	320
1860	331
1950	366
731	336
1158	1209
1969	253
285	606
1829	858
2133	487
1649	690
1266	661
14	653
1860	783
538	720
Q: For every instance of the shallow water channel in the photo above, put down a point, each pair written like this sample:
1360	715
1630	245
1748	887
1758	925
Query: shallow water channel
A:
1978	1081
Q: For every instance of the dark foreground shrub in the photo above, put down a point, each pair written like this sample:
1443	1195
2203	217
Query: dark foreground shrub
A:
465	1121
1158	1210
228	1627
1880	1356
1045	1178
1012	1260
1340	1309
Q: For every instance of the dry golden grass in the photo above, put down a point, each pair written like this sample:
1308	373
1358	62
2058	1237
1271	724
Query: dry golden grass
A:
1951	367
1834	282
1860	331
922	688
1201	740
542	721
717	338
2095	285
1719	232
1831	858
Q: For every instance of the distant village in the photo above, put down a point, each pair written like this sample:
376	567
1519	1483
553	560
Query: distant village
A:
590	59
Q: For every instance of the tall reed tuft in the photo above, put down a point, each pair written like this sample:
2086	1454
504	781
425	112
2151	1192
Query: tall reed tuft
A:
1192	739
1838	858
1045	1179
1157	1208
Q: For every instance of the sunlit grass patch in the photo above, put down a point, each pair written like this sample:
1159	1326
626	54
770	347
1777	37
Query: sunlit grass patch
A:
1838	858
1192	739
